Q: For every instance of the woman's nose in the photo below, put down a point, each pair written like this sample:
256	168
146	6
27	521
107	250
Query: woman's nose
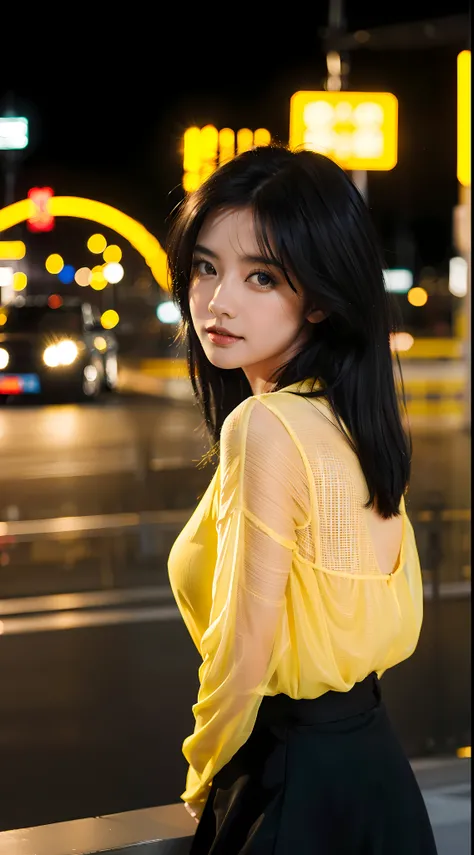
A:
221	302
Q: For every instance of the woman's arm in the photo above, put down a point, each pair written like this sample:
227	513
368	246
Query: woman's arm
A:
261	503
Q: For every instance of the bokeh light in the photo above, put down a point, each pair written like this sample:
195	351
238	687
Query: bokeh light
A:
417	296
20	281
100	343
83	276
458	276
4	358
113	272
244	140
55	301
89	209
54	263
168	313
67	351
401	342
262	137
464	752
66	275
51	356
97	279
110	319
12	250
96	244
112	254
6	277
3	319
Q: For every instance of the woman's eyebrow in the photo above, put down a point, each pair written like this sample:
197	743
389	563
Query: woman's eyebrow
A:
253	259
250	259
200	248
261	259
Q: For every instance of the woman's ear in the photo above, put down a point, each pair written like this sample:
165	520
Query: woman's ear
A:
316	316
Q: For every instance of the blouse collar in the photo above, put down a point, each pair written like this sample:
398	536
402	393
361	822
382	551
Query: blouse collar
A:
308	385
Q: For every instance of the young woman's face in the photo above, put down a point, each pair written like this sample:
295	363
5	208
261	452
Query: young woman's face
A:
232	287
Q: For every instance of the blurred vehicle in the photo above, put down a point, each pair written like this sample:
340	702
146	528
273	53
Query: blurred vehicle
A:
58	350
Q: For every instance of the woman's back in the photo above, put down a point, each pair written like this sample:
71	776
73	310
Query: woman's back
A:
351	538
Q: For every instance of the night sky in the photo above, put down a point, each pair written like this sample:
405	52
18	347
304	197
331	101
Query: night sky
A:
109	100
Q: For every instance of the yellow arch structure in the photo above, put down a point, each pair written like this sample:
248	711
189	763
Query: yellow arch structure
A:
87	209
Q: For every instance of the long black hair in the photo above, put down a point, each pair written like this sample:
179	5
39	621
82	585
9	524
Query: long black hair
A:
310	218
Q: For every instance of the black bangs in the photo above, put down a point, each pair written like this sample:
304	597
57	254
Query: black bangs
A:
266	235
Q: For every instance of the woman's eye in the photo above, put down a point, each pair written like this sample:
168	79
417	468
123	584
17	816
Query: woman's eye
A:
204	268
263	279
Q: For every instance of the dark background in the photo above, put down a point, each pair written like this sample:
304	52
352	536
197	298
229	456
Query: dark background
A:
109	96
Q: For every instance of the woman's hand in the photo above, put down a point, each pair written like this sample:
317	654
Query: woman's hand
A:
194	810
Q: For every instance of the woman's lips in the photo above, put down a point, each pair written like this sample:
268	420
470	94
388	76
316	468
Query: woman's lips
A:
222	340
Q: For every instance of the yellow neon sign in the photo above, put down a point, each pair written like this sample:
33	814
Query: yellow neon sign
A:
206	148
12	250
88	209
464	118
359	130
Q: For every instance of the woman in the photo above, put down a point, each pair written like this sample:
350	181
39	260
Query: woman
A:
297	576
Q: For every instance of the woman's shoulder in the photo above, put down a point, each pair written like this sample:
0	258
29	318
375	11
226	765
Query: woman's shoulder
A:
259	423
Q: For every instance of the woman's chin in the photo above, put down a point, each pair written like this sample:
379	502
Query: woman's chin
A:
223	361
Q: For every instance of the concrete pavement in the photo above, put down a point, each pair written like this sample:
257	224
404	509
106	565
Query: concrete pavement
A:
446	787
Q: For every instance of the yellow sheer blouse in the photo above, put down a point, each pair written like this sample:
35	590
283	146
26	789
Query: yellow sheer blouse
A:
277	579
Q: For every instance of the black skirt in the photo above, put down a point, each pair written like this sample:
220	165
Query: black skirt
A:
318	777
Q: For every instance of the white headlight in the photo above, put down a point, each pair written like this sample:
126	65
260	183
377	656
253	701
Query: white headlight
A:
62	353
51	356
67	352
4	358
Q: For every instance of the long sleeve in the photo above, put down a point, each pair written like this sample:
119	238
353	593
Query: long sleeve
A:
262	502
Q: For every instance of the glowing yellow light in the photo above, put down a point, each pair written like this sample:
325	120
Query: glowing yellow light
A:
262	137
100	343
96	244
192	150
112	254
97	279
226	145
67	351
244	140
20	281
358	130
50	356
209	143
3	319
191	181
62	353
83	276
464	752
89	209
464	118
207	147
54	263
417	296
110	319
12	250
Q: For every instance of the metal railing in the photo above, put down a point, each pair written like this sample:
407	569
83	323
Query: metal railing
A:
166	830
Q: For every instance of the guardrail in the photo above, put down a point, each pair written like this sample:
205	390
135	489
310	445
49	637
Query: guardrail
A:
169	830
164	830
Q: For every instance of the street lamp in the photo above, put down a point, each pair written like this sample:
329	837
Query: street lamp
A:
13	133
13	138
